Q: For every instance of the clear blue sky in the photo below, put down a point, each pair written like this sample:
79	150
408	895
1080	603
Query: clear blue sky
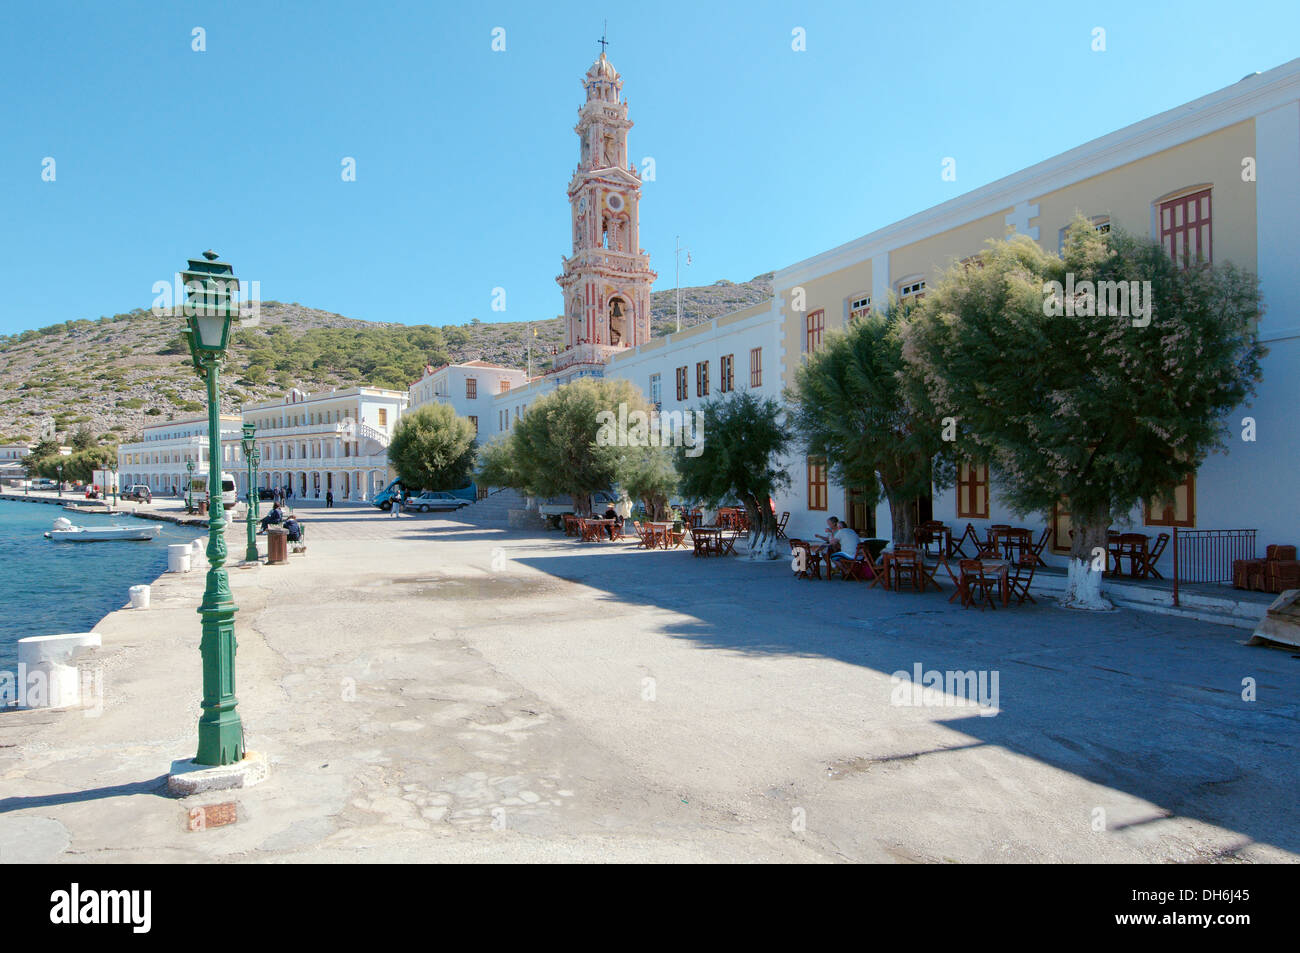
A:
764	155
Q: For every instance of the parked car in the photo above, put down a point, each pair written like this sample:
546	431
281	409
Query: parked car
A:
138	492
432	501
265	493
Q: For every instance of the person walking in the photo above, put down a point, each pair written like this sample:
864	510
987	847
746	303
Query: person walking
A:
397	504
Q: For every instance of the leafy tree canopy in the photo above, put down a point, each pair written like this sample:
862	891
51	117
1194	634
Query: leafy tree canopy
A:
745	436
553	449
853	406
432	448
1108	405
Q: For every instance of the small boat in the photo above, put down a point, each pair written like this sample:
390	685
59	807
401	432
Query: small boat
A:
65	532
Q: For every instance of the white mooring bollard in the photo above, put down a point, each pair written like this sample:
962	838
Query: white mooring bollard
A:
178	557
139	597
47	666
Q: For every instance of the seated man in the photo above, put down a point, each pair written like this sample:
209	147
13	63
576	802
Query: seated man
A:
616	528
843	541
273	518
294	529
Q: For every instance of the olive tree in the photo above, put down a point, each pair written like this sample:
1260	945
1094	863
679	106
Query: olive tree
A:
1101	377
744	438
558	448
852	406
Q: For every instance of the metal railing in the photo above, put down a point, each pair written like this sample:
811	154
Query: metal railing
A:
1207	555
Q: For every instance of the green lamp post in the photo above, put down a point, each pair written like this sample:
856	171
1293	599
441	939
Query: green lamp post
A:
249	442
211	303
59	467
257	497
189	486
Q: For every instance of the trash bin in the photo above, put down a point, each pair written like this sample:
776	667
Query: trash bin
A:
203	507
277	546
139	597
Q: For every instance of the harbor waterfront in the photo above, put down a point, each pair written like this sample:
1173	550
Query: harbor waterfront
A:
446	688
48	587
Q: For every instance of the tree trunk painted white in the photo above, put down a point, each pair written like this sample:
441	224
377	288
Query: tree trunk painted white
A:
762	545
1083	588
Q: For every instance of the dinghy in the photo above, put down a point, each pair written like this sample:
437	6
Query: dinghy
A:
65	532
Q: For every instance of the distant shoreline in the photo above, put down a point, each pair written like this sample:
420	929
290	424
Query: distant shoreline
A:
73	506
69	505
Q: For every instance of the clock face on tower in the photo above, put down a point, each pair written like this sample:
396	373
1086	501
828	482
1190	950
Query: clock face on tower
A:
615	202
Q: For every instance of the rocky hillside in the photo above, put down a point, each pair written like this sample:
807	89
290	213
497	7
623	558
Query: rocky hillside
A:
113	374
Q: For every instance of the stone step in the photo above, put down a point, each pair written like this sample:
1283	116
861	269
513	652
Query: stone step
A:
1221	609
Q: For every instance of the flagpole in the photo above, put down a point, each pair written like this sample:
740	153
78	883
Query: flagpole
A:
677	271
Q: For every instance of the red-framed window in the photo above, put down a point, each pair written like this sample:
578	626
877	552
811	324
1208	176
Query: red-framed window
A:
682	393
817	490
727	374
815	324
1180	510
702	379
972	491
756	367
1186	227
471	388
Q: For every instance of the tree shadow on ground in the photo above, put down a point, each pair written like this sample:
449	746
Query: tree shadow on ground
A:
1146	704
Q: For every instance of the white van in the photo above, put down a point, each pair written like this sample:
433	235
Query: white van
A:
229	496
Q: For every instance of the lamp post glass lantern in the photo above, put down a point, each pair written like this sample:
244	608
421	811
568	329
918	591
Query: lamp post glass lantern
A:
211	290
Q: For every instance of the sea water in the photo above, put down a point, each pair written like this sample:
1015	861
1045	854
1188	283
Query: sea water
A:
48	587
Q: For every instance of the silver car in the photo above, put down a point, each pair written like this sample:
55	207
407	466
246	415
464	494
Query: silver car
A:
432	501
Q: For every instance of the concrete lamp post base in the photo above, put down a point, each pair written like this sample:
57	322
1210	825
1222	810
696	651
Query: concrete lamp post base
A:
188	777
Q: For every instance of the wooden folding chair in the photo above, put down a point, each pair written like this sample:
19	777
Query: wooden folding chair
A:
977	584
906	564
1021	579
955	544
780	526
1038	547
857	567
812	561
1149	564
641	535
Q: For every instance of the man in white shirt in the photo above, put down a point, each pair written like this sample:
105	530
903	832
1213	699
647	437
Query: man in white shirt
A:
843	541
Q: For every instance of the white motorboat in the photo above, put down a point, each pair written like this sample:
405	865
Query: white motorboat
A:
65	532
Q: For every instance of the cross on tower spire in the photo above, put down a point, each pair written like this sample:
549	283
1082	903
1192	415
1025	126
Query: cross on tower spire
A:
602	41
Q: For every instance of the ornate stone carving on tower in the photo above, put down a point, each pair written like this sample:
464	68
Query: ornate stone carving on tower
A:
606	281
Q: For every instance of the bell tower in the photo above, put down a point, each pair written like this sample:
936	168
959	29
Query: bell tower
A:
606	281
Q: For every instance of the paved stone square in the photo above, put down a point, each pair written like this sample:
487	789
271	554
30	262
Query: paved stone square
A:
428	689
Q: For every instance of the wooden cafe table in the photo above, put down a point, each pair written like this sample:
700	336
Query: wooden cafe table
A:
1000	566
708	540
660	533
